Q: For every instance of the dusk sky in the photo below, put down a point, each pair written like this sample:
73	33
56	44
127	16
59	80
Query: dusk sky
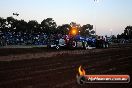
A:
107	15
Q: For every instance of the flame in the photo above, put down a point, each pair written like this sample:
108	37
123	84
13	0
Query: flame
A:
81	71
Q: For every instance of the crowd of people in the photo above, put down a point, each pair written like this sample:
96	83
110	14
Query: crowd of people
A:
12	38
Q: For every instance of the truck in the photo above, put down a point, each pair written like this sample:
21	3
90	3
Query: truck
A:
73	41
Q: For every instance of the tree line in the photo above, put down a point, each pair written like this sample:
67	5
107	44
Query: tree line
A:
14	30
47	26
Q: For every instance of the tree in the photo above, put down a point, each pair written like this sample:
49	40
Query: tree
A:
21	26
128	32
11	23
33	26
48	26
86	30
63	29
2	23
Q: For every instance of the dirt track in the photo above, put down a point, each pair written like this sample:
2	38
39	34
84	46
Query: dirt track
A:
58	69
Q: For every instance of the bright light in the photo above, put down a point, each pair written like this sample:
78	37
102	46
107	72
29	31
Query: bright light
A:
74	32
